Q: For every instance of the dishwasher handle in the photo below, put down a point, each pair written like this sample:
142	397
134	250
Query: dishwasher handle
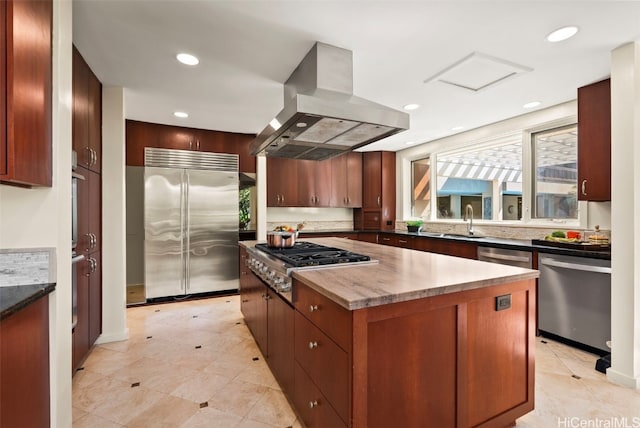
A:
504	257
575	266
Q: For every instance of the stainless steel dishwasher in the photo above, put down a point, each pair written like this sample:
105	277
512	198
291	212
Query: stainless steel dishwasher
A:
505	256
574	300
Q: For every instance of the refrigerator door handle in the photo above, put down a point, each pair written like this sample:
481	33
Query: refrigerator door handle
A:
187	235
182	244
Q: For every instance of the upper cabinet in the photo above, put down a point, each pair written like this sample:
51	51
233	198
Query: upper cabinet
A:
144	134
378	192
282	182
25	95
346	180
594	142
314	183
87	115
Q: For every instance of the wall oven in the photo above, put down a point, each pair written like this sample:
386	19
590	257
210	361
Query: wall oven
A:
75	258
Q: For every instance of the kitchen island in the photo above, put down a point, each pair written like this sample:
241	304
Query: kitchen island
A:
415	340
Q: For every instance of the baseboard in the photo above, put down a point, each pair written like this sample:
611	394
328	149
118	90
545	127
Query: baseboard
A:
622	379
113	337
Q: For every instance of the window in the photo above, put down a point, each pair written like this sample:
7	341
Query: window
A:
488	175
487	178
555	162
420	178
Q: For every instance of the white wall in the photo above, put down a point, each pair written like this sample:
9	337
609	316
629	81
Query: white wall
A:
42	218
114	252
625	206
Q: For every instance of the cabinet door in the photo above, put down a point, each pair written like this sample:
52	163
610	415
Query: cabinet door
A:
255	309
81	109
94	121
175	137
354	180
81	330
371	180
282	182
280	340
346	180
314	183
3	92
24	367
138	136
594	142
95	298
26	156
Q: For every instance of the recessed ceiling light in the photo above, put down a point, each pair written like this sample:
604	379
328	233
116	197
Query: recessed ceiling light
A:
411	106
180	114
187	59
532	104
457	128
562	34
408	143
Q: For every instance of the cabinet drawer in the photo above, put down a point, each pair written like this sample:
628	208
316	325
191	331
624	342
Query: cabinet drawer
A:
325	363
331	318
312	406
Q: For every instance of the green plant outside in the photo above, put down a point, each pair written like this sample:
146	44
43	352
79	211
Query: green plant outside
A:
245	207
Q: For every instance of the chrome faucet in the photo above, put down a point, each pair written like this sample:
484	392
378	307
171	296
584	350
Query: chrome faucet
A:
468	213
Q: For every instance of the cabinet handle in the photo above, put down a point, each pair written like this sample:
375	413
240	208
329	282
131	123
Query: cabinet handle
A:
265	296
313	345
402	241
386	239
94	157
313	404
190	145
313	308
584	187
198	145
282	200
378	200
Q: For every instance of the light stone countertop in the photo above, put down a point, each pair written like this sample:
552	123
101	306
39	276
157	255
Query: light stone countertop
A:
401	275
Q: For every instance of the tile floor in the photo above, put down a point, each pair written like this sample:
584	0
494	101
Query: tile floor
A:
193	364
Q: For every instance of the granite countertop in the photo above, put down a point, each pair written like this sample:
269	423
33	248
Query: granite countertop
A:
16	297
401	275
487	241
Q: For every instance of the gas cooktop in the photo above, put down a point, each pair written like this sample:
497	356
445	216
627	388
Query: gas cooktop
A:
310	254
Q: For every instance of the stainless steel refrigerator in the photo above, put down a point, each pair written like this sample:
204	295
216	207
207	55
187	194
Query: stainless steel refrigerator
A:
190	222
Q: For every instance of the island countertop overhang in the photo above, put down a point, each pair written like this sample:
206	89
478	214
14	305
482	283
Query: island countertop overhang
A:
400	275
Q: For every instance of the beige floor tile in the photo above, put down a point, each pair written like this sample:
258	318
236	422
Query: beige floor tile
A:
157	375
237	397
210	417
127	403
201	388
167	412
107	361
90	420
273	408
250	423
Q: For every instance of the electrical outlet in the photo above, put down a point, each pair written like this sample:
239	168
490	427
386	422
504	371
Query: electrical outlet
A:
503	302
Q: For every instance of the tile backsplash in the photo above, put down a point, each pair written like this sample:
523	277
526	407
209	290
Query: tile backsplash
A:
27	266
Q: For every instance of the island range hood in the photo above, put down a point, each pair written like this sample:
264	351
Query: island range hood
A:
321	116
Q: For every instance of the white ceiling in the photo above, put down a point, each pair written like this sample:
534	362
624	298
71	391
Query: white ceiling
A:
247	49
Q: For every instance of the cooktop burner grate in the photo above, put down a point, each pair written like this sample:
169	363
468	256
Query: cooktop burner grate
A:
309	254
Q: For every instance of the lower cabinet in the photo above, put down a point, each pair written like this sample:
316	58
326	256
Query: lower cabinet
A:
89	295
312	406
24	367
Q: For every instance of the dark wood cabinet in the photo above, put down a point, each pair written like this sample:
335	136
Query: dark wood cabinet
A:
594	142
450	247
26	92
143	134
280	340
24	367
393	374
88	271
378	192
314	183
87	115
346	180
270	320
282	182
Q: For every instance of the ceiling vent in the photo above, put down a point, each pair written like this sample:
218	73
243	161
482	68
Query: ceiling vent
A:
478	71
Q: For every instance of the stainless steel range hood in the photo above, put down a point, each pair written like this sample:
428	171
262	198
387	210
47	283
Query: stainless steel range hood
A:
321	116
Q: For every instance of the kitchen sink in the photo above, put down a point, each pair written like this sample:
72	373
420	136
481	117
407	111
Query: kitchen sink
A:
455	235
